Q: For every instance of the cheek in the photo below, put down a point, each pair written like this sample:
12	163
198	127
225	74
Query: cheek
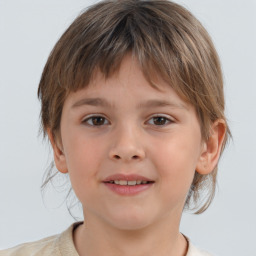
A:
179	153
81	150
83	157
176	160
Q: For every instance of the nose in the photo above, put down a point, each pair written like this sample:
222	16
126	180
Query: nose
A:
127	146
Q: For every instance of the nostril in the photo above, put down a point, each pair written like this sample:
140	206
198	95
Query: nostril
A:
133	157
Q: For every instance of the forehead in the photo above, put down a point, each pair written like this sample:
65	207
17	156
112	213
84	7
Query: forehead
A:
128	80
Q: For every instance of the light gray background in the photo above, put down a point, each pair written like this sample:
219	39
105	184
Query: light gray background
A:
28	31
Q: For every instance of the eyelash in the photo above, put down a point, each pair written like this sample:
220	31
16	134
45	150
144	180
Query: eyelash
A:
165	119
91	118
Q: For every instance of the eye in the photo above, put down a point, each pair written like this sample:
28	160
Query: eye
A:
96	121
160	120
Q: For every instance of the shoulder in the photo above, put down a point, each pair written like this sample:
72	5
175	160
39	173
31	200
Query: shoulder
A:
58	245
194	251
46	246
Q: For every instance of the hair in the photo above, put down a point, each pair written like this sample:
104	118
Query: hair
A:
166	39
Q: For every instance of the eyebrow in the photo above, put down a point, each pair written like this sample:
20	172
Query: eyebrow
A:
100	102
92	102
161	103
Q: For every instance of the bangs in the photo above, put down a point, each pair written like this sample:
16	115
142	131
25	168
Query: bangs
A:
136	32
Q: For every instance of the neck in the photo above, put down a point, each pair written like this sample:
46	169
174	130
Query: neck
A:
163	239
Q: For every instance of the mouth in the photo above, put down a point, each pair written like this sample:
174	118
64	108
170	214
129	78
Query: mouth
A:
129	182
128	185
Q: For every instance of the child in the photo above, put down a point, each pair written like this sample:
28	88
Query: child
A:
132	102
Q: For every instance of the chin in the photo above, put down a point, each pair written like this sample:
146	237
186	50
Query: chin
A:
131	220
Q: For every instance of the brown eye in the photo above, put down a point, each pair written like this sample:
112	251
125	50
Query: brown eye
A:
159	120
96	121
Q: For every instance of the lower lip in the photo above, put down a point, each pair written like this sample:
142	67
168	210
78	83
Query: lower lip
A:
128	190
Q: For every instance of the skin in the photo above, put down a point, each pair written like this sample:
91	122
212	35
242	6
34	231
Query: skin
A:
129	139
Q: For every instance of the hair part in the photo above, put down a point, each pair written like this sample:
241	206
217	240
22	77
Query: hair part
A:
165	38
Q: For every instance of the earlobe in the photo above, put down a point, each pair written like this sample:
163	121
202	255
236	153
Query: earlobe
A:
211	148
59	156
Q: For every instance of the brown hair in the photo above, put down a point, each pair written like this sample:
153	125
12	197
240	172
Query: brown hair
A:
165	38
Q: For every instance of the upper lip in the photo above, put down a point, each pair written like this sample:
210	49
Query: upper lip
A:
130	177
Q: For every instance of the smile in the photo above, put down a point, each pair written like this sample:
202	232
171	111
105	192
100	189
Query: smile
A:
129	182
128	185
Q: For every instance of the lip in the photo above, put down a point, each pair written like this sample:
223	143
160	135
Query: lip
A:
126	190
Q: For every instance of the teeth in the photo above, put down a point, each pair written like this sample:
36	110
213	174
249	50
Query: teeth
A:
123	182
132	182
129	183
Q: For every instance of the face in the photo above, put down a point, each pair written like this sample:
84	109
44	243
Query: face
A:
131	150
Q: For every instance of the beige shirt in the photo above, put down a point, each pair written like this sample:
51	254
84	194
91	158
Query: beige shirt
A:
63	245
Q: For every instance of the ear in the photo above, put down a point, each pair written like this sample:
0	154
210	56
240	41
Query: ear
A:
211	148
59	156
